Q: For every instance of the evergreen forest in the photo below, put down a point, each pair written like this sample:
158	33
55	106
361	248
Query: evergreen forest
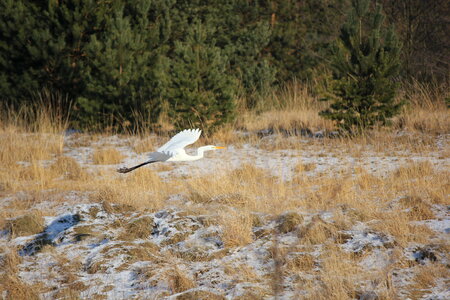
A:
117	63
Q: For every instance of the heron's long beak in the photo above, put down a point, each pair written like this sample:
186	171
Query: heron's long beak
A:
220	147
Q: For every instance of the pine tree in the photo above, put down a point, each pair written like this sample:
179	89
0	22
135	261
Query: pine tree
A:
249	33
117	71
106	56
201	93
242	32
302	32
42	45
366	62
27	50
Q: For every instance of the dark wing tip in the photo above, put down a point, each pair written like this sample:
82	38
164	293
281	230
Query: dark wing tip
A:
123	170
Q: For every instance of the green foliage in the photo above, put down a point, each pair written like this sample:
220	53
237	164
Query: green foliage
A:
95	52
117	60
201	93
241	31
24	61
302	32
117	69
366	62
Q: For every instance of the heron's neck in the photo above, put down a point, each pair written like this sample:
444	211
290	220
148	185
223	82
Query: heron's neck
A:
200	152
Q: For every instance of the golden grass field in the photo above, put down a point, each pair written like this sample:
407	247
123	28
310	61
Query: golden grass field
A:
284	217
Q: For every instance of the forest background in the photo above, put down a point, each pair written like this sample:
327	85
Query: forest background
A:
123	65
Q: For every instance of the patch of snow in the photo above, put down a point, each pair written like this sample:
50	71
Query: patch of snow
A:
363	239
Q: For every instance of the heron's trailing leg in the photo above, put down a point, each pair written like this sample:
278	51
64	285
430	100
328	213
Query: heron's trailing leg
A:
126	170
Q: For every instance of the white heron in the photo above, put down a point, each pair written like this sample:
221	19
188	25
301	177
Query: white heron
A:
173	150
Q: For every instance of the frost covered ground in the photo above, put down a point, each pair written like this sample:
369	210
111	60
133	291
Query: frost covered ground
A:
273	217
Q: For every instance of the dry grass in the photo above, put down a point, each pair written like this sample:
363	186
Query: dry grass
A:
11	285
23	205
304	167
241	273
179	281
28	224
337	275
143	145
299	262
137	229
284	121
427	111
14	288
125	195
18	146
425	279
34	168
69	167
290	108
108	156
289	222
396	224
247	187
142	189
418	209
237	228
318	232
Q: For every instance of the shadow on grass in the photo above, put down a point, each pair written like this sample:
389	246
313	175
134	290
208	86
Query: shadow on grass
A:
50	234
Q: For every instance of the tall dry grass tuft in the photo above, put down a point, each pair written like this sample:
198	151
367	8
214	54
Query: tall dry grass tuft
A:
237	228
11	285
427	111
48	113
426	278
179	281
397	224
28	135
414	170
295	107
143	145
421	179
32	177
317	232
108	156
248	187
341	191
292	107
28	224
69	167
22	147
337	276
142	189
241	273
417	208
224	136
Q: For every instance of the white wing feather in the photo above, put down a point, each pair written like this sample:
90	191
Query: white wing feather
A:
180	140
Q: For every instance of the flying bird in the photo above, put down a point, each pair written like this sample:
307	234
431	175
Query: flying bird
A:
173	150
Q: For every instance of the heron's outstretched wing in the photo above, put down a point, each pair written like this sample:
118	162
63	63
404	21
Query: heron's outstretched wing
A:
160	156
181	140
